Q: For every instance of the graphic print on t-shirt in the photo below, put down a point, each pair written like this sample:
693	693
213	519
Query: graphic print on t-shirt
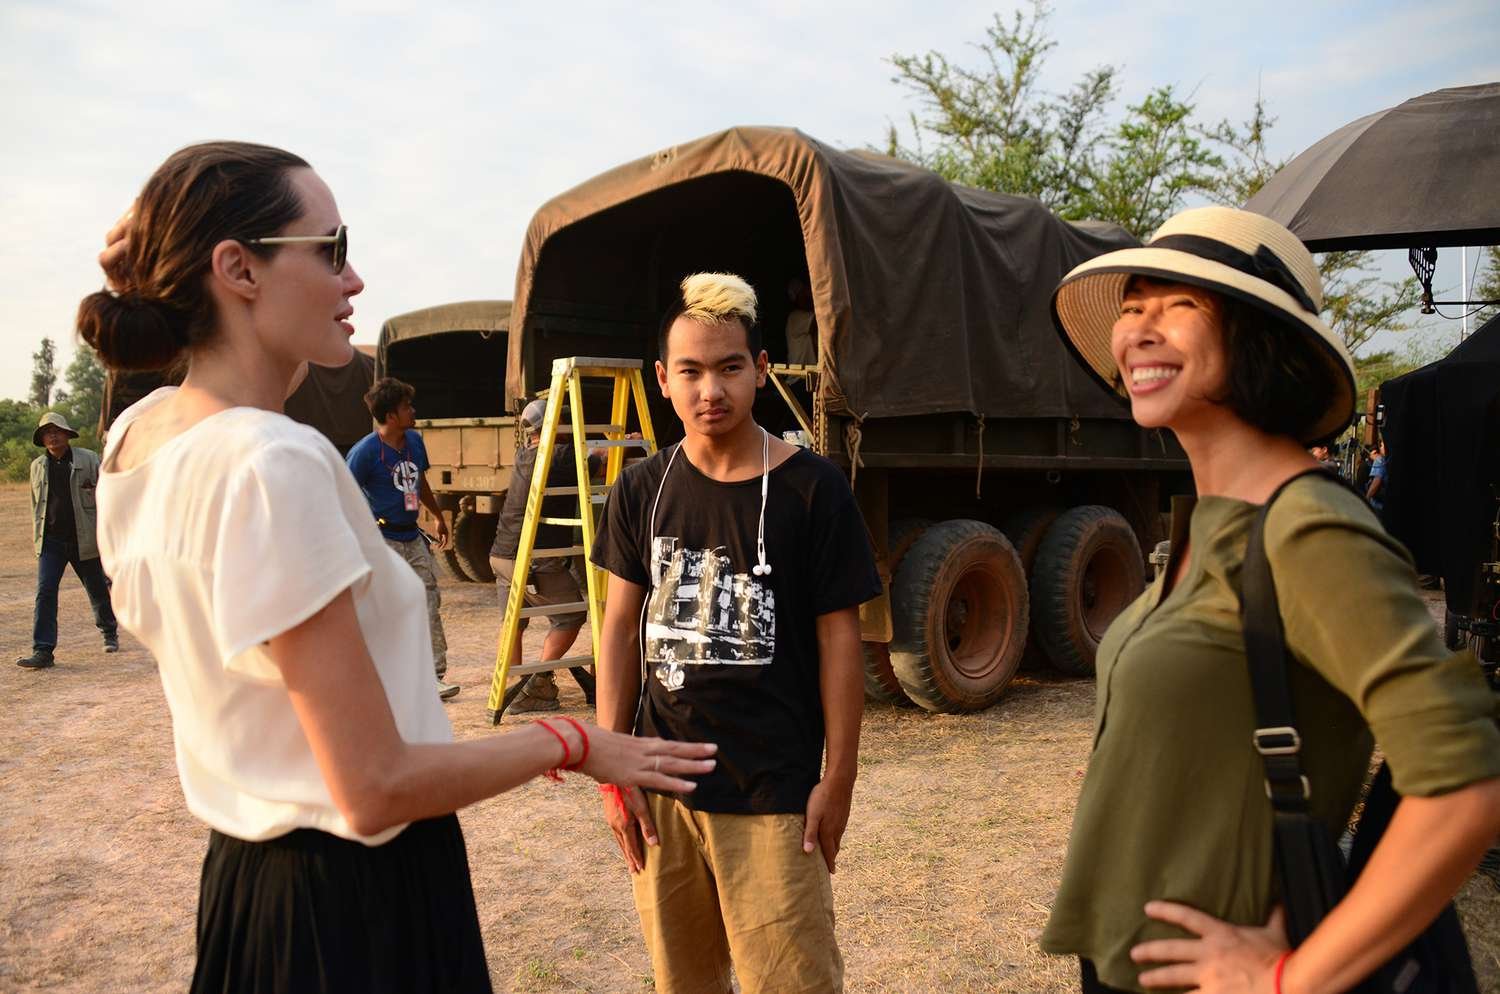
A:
404	476
702	613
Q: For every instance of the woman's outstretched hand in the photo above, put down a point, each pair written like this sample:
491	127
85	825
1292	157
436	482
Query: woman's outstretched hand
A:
1224	959
644	762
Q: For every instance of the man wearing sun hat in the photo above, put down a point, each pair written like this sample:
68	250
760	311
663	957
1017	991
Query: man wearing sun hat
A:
63	479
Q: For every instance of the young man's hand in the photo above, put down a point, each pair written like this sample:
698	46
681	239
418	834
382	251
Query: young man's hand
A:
630	820
827	816
444	537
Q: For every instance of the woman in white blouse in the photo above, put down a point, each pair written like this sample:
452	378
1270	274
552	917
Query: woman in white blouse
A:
291	642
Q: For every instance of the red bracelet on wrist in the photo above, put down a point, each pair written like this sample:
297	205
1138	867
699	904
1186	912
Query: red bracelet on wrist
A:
618	793
553	773
584	758
1280	966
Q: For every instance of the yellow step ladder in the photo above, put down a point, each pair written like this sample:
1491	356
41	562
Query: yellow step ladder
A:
567	386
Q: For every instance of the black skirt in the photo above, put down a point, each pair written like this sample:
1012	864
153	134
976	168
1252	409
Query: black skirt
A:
311	912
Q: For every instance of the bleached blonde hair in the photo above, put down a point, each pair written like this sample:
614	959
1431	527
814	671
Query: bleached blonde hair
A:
714	298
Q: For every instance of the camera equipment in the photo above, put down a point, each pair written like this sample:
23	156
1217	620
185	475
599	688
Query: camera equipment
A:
1481	626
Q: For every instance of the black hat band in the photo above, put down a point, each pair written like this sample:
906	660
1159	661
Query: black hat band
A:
1263	265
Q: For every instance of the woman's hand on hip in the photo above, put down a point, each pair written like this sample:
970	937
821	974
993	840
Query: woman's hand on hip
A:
1223	959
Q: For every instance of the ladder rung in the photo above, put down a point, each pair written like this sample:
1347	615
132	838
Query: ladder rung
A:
592	429
572	550
567	662
547	610
573	522
620	443
590	362
598	498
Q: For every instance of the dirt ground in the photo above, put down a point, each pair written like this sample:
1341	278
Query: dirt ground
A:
950	862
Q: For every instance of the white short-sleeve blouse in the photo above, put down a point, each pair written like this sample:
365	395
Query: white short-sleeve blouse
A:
231	533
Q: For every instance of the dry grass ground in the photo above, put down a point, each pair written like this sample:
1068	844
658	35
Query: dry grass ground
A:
951	857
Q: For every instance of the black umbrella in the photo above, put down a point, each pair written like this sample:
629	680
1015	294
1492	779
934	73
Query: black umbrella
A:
1422	174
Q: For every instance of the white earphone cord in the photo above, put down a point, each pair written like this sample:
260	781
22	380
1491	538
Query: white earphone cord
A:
761	567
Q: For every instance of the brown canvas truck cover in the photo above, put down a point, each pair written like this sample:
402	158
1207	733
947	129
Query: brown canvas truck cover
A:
474	319
929	297
330	399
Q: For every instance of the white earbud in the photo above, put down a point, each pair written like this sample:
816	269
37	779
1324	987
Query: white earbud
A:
761	567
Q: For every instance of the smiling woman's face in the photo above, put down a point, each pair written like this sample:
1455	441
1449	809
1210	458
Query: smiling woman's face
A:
1168	343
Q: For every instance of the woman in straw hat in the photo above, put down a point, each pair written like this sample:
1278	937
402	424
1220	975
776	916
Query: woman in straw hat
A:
1212	331
292	643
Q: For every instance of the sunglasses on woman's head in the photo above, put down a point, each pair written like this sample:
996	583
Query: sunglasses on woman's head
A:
339	240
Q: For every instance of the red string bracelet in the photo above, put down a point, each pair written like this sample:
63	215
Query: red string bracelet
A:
1280	966
582	735
553	773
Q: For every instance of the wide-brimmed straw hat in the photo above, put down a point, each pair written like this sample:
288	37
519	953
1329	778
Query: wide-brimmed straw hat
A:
56	421
1233	252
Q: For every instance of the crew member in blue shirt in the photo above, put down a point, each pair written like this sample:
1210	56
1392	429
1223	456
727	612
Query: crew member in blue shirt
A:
390	465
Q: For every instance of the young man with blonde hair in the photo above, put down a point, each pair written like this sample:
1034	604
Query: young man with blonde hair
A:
745	559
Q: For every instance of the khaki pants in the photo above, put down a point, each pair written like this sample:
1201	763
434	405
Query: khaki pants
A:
553	583
419	558
738	888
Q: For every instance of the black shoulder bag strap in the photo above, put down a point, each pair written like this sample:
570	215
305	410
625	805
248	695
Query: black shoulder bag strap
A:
1307	861
1309	865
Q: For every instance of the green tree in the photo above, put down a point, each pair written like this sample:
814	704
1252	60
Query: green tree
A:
17	421
1158	159
1248	162
991	126
1375	368
1487	285
83	398
1357	304
43	373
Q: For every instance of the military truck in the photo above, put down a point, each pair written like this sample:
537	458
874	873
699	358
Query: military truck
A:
1008	495
452	354
330	398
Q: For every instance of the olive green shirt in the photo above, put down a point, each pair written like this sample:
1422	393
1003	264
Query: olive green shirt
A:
1174	804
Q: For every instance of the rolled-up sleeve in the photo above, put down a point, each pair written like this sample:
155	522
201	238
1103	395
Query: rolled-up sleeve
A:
1351	609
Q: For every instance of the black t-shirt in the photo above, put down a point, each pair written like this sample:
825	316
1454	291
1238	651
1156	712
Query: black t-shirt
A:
731	657
60	521
562	473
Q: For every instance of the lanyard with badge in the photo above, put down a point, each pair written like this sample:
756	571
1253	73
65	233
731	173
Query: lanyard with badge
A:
409	496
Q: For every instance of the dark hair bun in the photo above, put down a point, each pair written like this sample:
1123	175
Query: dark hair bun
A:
129	331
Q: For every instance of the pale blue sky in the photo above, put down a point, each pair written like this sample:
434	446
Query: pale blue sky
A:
442	127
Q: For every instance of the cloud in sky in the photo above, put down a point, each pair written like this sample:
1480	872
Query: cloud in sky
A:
442	128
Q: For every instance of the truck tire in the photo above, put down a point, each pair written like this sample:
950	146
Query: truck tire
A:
473	534
1452	637
959	606
1025	529
1088	569
881	685
448	564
